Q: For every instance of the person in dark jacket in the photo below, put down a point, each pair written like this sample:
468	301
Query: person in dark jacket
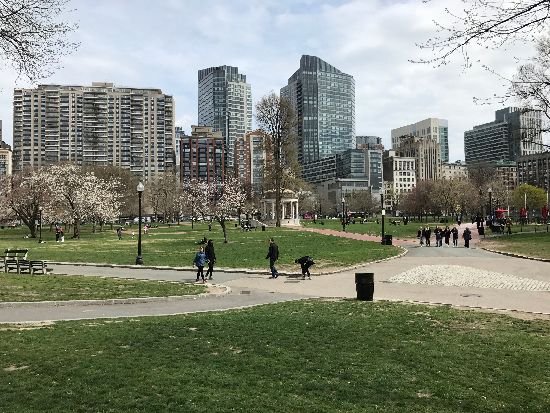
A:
428	236
273	255
305	262
467	235
454	231
447	235
200	261
211	257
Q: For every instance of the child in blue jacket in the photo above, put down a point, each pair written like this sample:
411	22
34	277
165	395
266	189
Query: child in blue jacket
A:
200	261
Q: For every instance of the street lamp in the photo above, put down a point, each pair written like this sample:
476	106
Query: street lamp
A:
343	214
40	223
383	215
490	205
139	259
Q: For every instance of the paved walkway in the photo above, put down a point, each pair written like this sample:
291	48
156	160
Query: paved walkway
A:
456	276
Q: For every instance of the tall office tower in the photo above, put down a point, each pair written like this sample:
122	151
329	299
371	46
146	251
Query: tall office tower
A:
202	155
323	98
94	125
515	132
250	158
433	128
0	130
225	104
5	159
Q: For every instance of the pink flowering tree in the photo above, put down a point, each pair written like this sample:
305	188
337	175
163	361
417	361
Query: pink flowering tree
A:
218	200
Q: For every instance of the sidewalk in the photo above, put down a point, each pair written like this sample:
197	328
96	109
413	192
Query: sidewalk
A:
494	290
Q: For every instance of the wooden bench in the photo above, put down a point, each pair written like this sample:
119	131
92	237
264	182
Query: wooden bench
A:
16	260
12	258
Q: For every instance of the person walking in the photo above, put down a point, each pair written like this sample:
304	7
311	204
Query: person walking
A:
420	236
119	232
447	235
428	236
467	235
454	232
199	261
211	257
305	262
437	232
273	255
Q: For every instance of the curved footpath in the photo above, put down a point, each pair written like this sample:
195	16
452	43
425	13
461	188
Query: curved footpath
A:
459	277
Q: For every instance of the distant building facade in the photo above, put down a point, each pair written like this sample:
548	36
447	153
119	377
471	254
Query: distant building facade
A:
456	170
535	170
323	98
427	154
6	166
225	104
515	132
101	124
428	129
202	155
399	177
249	160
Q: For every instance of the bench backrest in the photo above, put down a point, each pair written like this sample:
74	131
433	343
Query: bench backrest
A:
17	254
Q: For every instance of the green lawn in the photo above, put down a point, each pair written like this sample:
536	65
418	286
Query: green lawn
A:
15	287
312	356
398	231
177	245
530	244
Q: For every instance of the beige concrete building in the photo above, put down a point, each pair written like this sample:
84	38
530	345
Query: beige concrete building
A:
94	125
427	155
455	170
249	160
5	159
399	178
431	128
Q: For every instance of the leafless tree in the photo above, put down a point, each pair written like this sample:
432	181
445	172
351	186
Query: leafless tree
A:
490	24
276	118
32	37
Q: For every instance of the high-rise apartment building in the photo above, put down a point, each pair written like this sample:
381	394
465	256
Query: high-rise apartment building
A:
535	170
515	132
323	98
202	155
250	158
225	104
101	124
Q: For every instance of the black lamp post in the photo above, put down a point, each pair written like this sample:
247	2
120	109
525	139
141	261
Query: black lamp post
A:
383	215
343	214
40	225
139	259
491	205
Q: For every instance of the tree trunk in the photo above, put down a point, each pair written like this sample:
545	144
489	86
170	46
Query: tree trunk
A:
222	223
76	232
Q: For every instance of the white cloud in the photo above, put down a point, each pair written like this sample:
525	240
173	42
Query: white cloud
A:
164	44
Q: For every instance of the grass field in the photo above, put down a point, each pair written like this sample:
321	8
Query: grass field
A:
312	356
530	244
15	288
177	245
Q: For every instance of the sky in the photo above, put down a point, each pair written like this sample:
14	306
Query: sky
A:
163	44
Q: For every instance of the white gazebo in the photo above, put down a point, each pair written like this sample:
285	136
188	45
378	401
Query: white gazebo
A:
289	208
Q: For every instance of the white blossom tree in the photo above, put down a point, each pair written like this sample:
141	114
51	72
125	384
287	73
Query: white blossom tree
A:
78	196
220	201
24	194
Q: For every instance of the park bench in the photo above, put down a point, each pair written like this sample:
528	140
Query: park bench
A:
16	260
12	258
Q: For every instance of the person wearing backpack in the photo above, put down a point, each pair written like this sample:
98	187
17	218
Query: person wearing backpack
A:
305	262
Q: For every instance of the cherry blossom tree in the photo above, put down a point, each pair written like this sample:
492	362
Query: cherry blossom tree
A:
24	194
220	201
78	196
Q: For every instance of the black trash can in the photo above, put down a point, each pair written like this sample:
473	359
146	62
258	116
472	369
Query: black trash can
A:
388	239
481	230
364	285
263	227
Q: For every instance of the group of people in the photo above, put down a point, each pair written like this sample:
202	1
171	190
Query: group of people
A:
205	256
424	235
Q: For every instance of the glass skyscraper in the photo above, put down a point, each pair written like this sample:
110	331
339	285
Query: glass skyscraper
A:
324	100
225	104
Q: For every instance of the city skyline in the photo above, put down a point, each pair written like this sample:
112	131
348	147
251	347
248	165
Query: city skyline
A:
265	41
